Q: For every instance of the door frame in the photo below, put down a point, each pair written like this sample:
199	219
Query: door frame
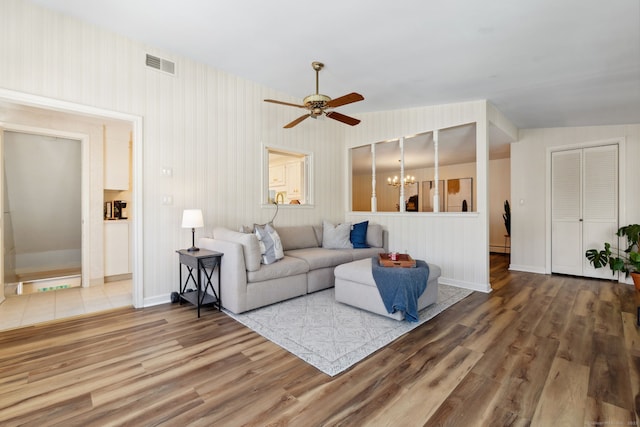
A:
85	150
622	216
21	98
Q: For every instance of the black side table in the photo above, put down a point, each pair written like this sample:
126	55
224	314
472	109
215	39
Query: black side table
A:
199	262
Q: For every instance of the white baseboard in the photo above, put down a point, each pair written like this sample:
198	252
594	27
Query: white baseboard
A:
479	287
527	269
157	300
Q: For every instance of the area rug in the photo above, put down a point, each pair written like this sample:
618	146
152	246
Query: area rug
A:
333	336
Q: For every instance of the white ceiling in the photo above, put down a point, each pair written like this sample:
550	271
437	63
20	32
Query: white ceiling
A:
542	63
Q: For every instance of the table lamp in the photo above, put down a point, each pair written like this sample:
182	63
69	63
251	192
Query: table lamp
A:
192	218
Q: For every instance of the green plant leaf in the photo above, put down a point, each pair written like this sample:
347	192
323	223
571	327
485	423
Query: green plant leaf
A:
632	234
626	261
599	259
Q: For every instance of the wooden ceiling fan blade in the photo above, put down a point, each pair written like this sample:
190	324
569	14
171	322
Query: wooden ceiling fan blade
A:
284	103
342	118
344	100
296	121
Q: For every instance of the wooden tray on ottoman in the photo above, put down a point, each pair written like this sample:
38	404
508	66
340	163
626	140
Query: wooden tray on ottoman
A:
403	261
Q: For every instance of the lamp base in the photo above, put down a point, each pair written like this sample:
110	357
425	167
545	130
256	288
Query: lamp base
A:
193	241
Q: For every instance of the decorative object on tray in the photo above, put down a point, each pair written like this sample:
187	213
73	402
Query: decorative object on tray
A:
395	259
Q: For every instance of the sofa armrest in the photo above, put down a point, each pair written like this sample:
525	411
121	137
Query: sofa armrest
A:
233	273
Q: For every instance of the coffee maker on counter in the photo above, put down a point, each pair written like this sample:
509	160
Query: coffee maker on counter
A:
119	211
115	210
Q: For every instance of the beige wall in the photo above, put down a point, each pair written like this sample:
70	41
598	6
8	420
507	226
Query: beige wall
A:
208	127
204	124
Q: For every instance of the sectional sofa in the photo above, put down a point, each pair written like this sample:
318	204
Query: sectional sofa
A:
307	265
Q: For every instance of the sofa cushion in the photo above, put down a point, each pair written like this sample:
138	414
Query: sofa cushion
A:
375	237
358	235
287	266
320	257
318	230
336	236
270	244
297	237
249	242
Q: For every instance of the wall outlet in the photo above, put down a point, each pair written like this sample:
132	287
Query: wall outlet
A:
167	200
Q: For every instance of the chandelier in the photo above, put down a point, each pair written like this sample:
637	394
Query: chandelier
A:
408	180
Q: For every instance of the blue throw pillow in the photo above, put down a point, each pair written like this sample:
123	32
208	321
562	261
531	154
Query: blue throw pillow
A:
358	235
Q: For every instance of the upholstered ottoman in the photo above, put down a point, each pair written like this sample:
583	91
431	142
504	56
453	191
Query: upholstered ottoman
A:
354	285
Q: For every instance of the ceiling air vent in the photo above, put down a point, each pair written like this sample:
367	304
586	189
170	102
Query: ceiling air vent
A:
161	64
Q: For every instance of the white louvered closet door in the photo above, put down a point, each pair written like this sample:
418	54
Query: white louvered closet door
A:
566	212
600	206
584	207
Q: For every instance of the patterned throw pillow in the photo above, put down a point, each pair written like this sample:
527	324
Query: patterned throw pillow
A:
270	244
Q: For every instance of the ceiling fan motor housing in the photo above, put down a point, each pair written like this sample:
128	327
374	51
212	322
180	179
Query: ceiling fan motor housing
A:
316	103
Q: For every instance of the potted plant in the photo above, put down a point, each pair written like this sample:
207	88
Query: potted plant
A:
506	216
626	261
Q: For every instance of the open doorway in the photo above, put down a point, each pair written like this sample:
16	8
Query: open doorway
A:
20	111
42	212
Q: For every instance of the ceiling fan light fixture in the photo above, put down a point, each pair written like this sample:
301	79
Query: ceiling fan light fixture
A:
317	100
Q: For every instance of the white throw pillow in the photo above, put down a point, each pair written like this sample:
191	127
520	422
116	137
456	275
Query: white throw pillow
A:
336	236
375	237
270	244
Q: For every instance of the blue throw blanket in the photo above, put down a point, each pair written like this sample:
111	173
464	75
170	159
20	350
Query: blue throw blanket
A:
400	288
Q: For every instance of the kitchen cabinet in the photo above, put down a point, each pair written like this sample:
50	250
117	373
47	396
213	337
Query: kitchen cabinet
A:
293	173
116	159
116	248
276	176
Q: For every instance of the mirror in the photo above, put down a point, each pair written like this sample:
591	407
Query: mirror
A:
287	177
456	170
360	181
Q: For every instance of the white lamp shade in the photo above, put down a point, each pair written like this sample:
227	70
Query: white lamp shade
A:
192	218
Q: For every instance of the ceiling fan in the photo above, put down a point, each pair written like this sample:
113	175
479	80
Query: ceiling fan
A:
319	104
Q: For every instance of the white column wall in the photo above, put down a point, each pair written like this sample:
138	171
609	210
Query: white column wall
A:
459	243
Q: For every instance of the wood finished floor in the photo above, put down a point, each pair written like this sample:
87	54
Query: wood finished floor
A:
539	350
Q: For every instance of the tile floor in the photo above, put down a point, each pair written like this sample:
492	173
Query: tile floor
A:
28	309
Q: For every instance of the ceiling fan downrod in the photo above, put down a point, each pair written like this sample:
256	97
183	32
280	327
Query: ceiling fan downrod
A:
317	66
